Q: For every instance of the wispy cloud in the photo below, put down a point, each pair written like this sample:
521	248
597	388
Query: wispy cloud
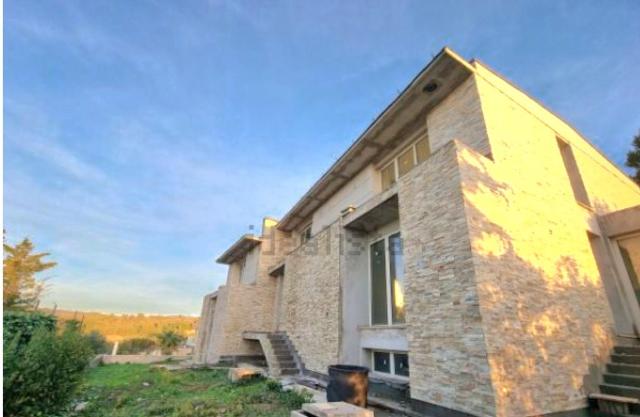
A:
141	138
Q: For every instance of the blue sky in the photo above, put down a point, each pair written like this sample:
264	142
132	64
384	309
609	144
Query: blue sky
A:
143	137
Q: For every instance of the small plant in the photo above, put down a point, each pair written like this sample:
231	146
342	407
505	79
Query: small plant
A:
294	399
169	340
274	385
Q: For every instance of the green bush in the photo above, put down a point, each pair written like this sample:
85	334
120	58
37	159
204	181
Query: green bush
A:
136	345
24	324
98	342
41	376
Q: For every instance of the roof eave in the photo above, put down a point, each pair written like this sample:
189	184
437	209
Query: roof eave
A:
239	249
293	218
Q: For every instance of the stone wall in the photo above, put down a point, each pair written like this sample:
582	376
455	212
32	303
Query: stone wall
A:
311	299
522	132
447	353
459	116
545	314
250	306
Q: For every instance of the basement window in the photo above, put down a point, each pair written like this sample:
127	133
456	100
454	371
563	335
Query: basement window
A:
571	166
394	363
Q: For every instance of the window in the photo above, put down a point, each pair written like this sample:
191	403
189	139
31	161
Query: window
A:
422	150
579	192
387	281
305	236
401	364
249	266
395	363
382	362
396	277
412	155
378	284
388	174
405	162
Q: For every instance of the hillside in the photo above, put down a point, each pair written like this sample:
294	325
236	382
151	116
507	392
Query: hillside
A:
116	327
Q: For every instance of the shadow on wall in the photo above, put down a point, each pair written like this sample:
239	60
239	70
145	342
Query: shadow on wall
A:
545	314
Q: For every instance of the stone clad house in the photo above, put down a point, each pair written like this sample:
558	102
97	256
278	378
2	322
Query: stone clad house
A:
471	248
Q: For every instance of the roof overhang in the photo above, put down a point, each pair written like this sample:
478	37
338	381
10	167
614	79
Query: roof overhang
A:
277	270
239	249
402	116
621	222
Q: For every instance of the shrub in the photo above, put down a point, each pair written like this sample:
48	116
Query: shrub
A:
169	340
136	345
24	324
274	385
98	342
41	376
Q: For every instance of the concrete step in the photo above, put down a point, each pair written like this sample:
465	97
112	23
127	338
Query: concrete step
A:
627	350
623	368
622	379
284	358
281	351
621	390
289	371
632	359
287	364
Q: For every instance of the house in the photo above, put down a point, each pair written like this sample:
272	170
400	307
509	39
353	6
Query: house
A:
470	247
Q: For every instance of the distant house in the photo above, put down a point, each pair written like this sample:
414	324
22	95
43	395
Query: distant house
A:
470	247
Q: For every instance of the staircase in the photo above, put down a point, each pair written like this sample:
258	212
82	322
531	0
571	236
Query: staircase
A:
620	389
282	358
284	355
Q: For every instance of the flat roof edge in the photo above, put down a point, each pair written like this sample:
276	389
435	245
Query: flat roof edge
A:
239	248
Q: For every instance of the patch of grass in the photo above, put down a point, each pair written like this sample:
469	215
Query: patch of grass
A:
145	391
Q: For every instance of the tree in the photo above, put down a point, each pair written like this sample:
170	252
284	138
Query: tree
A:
633	158
169	340
21	289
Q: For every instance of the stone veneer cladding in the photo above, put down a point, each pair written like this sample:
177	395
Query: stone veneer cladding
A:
545	313
311	299
250	307
448	357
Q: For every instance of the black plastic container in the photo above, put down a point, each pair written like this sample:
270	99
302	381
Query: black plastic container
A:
348	383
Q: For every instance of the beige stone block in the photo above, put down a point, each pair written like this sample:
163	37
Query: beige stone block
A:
239	374
336	409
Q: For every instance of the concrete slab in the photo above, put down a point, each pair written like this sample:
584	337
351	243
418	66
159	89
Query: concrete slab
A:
336	409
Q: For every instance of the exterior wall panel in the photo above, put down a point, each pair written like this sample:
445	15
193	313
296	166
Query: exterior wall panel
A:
447	353
545	313
311	299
